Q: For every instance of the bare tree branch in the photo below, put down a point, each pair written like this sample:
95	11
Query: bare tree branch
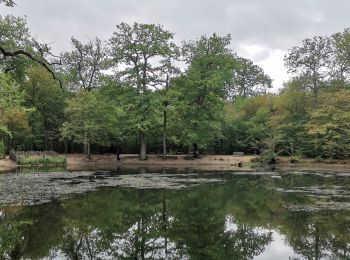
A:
9	3
42	61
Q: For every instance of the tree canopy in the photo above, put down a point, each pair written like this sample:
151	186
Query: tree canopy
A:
140	92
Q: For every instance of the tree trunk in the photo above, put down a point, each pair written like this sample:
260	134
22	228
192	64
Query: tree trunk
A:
221	145
88	146
195	150
164	132
118	154
45	135
143	154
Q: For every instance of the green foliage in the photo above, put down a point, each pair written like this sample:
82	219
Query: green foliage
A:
248	80
200	93
218	102
13	115
84	64
47	99
295	159
90	119
309	61
10	94
329	124
11	238
246	124
137	47
15	35
268	157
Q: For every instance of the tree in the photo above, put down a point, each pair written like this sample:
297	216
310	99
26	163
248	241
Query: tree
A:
201	91
90	119
310	61
136	51
84	64
18	47
292	107
329	124
246	124
340	54
44	94
168	73
11	109
249	79
14	35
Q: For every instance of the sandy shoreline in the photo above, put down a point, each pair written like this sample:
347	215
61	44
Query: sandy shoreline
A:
77	162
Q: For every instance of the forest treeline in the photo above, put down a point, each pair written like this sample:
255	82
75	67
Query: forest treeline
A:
140	92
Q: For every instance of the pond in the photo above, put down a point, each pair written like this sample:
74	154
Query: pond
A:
185	215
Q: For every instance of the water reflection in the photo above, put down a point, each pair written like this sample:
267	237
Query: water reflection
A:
239	219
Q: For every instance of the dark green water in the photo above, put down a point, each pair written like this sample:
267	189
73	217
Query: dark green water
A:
245	217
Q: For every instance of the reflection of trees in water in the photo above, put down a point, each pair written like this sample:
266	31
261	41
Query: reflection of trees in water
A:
81	242
315	235
246	241
230	221
318	235
200	228
191	226
11	240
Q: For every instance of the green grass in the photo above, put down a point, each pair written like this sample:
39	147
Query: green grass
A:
41	160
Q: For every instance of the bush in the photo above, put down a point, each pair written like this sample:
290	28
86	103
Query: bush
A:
42	160
268	157
295	159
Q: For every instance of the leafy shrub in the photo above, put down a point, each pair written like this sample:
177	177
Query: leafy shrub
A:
295	159
268	157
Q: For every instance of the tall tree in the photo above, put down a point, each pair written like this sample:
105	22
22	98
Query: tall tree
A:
168	73
90	119
310	61
84	65
202	90
136	51
249	79
291	114
340	64
11	107
45	95
14	35
329	124
18	47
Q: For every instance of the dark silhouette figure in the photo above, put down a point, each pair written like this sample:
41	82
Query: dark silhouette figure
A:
118	154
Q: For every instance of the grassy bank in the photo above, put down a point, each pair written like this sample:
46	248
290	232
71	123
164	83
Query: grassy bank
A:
41	160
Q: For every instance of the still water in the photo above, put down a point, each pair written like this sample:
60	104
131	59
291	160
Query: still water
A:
243	216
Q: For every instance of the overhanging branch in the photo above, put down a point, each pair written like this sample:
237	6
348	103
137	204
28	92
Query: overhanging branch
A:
40	61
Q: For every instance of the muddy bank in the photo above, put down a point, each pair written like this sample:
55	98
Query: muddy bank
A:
78	162
30	189
208	162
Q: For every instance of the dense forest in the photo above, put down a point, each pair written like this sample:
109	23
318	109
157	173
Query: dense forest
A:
140	92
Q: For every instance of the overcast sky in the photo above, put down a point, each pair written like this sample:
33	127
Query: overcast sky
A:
261	30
